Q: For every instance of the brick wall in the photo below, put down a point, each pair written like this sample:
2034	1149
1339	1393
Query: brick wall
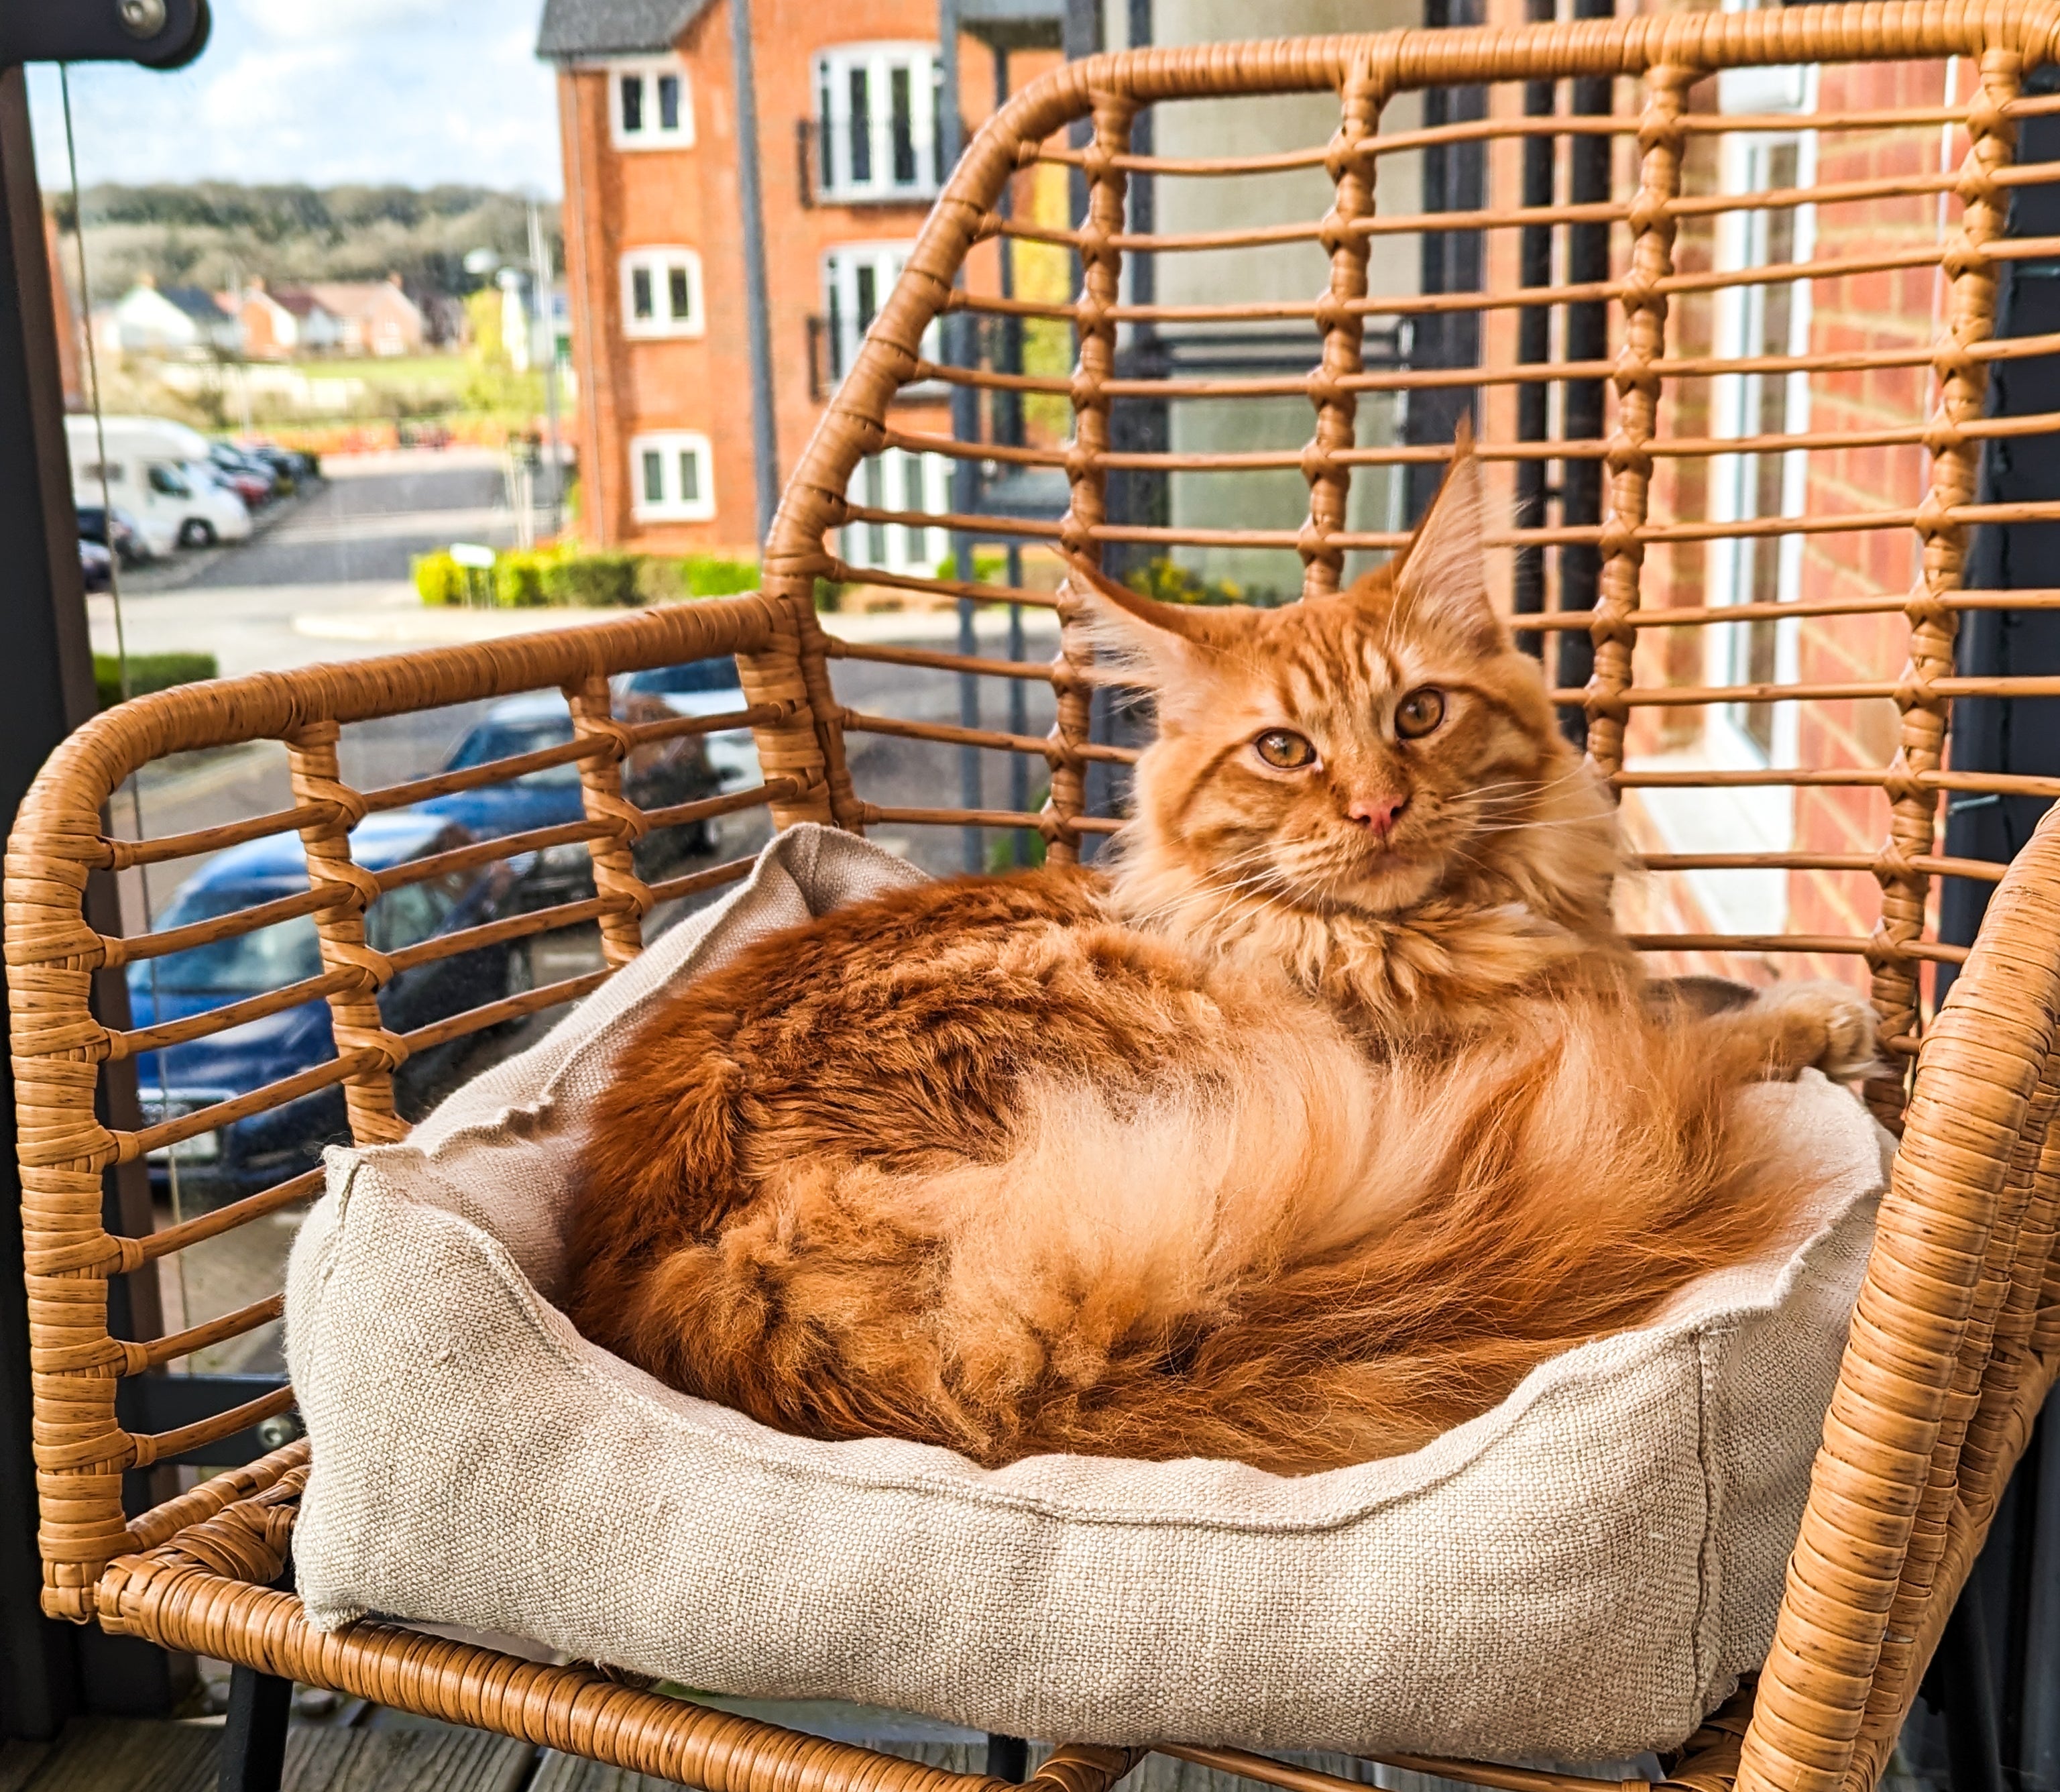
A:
621	200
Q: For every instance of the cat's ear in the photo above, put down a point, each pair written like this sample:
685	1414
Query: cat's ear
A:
1442	575
1158	644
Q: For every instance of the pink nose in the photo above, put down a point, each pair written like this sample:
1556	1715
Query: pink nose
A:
1379	813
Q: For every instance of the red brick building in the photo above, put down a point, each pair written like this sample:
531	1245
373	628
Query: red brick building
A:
851	155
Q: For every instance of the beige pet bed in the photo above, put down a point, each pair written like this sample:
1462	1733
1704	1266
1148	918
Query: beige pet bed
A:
1580	1573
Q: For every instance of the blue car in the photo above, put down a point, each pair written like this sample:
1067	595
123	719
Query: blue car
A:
249	1155
656	776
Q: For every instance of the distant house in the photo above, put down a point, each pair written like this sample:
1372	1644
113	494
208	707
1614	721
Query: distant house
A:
170	320
374	317
285	320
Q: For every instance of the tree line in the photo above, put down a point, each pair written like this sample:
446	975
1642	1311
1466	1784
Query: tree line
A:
222	233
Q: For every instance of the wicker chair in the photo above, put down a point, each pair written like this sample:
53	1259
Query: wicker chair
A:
1953	1344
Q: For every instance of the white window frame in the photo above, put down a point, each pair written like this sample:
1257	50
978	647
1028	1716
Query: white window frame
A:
669	445
1736	405
651	135
838	180
1751	818
660	261
843	334
897	479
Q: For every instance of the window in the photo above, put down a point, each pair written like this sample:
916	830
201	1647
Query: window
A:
670	475
166	481
897	479
1772	318
650	108
661	293
875	125
856	279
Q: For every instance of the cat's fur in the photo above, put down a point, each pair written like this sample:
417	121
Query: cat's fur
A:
1297	1141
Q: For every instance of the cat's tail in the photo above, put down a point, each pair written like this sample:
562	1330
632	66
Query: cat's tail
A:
1583	1179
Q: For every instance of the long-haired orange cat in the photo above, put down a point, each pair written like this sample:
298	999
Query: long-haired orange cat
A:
1337	1105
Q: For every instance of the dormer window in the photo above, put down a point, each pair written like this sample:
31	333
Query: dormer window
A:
876	124
649	106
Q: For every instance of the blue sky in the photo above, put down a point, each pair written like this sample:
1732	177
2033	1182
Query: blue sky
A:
413	91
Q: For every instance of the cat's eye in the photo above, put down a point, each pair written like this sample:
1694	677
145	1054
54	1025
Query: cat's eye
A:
1419	713
1284	752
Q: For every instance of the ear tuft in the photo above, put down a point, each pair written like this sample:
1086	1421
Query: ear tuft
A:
1156	643
1442	578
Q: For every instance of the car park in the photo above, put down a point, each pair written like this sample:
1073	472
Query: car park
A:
146	466
96	565
655	777
244	1156
130	545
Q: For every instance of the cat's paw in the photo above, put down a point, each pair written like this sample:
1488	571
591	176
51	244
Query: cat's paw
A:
1821	1026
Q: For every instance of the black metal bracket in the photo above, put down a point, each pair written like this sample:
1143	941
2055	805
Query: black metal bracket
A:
159	33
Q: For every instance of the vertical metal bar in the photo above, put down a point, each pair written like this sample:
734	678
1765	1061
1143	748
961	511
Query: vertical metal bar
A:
1454	179
540	264
1534	342
46	690
1008	414
1019	716
253	1733
961	350
758	321
2039	1650
1587	339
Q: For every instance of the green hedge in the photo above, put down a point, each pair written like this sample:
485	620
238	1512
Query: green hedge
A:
148	672
525	578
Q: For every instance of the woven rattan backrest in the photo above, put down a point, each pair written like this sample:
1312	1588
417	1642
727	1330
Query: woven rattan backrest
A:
1612	375
1696	592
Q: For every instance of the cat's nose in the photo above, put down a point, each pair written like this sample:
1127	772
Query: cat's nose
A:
1379	813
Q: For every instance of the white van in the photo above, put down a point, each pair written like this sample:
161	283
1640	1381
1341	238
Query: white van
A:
152	473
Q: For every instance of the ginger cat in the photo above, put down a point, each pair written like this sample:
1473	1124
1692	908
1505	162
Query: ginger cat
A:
1298	1139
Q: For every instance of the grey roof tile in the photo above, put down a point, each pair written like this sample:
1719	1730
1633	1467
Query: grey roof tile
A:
575	28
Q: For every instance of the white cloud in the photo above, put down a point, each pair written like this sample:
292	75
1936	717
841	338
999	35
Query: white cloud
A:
336	21
413	91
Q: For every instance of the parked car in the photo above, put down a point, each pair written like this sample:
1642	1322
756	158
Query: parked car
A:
702	687
255	488
131	545
252	475
656	777
146	465
294	468
96	565
249	1154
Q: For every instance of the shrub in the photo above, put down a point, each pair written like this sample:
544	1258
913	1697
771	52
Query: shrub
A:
518	577
593	581
708	576
439	579
148	671
670	579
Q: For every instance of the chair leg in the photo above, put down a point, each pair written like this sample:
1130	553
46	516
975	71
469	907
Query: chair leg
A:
1008	1758
253	1739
